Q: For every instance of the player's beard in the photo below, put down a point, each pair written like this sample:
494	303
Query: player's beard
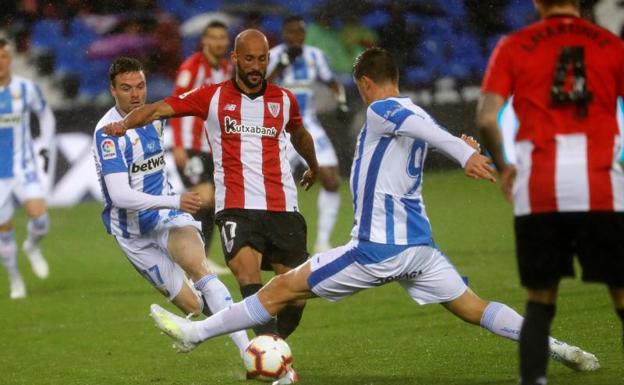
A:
244	77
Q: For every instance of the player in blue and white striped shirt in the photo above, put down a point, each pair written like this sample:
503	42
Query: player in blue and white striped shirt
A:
162	242
300	68
19	173
391	238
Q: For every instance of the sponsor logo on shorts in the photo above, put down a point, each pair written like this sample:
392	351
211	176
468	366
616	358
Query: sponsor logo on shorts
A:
232	127
108	149
399	277
149	165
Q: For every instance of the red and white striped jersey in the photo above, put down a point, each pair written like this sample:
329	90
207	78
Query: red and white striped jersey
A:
565	75
247	134
194	72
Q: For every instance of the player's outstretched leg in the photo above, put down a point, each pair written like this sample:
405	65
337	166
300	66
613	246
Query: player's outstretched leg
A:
502	320
254	310
37	228
8	253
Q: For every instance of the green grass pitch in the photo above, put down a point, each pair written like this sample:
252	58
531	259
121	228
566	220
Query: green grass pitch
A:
88	323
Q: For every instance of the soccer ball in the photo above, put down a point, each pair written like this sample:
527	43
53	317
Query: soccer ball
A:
267	358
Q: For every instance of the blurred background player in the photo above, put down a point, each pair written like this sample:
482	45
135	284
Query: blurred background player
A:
299	67
191	150
146	217
19	175
567	187
256	197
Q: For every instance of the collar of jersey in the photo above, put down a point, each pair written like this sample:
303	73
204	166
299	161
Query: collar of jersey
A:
255	94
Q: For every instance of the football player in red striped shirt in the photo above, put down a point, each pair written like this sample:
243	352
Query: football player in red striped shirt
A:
256	198
565	75
191	150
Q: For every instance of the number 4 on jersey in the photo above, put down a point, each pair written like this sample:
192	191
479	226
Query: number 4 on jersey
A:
571	62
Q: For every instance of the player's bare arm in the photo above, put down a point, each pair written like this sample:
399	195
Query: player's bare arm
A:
487	113
140	117
304	145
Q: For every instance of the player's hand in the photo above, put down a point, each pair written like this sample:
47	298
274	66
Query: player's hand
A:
508	175
45	155
115	128
308	179
479	167
472	142
180	156
190	202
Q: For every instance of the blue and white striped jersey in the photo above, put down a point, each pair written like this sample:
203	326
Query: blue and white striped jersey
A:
18	100
299	77
387	172
139	153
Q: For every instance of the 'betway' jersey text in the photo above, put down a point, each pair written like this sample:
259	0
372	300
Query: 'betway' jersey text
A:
247	135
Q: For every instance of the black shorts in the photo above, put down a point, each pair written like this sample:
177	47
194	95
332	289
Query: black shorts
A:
547	243
281	237
199	169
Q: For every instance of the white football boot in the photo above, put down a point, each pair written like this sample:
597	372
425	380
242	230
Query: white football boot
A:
290	377
573	357
178	328
18	288
37	262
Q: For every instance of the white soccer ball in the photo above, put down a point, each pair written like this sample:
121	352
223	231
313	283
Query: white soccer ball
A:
267	358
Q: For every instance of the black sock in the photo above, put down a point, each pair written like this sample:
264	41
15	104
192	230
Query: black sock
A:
620	312
534	342
269	327
288	320
206	217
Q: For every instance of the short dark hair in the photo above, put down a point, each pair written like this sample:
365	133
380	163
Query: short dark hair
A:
3	42
123	65
292	19
214	24
377	64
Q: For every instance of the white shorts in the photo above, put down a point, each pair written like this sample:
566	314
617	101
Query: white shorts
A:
150	256
25	185
325	153
423	271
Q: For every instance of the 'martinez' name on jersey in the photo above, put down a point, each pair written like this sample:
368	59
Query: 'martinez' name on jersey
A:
232	127
139	154
248	141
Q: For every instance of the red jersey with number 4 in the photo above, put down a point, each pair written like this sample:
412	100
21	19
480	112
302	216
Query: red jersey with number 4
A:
565	75
248	141
188	132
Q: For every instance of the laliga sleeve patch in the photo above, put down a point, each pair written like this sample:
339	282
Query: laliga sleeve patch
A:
109	151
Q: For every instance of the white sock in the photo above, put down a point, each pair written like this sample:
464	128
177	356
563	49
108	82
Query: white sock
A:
218	297
328	205
239	316
8	252
37	229
504	321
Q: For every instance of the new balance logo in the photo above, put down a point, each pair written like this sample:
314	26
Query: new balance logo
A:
232	127
149	165
230	107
